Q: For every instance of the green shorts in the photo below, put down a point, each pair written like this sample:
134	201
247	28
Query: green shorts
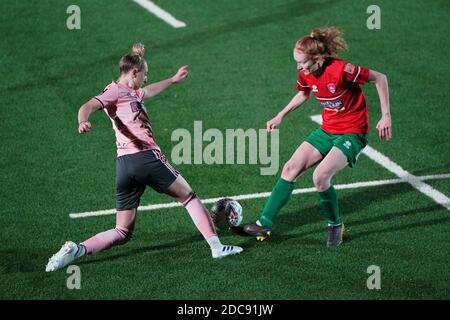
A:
350	144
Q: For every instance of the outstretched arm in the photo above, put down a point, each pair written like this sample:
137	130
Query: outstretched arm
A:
85	111
155	88
384	126
298	100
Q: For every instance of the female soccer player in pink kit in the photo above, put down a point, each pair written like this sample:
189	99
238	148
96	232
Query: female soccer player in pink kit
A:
336	85
140	162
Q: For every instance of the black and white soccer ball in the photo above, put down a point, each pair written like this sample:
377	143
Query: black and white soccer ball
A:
226	214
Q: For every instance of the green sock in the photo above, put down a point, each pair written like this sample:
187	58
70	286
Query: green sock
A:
280	195
329	203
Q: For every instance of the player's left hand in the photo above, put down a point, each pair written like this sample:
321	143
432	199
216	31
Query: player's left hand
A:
181	74
384	127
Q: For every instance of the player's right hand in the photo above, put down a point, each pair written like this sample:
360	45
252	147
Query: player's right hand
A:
273	123
84	126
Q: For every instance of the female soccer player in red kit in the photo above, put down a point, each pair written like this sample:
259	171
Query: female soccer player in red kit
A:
344	132
140	162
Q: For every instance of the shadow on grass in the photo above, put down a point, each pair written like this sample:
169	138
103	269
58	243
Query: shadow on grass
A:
407	226
17	261
351	204
143	250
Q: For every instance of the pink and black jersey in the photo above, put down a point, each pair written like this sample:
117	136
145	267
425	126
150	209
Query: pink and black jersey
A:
338	92
125	107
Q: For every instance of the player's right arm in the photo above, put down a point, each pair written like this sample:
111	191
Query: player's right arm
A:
85	111
297	101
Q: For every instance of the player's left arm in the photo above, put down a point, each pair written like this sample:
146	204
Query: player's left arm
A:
384	126
155	88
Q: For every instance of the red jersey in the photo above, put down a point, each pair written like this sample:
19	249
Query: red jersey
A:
338	92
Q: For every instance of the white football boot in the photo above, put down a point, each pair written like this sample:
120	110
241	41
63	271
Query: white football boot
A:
226	251
63	257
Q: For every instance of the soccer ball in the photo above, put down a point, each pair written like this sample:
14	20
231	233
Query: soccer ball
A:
226	213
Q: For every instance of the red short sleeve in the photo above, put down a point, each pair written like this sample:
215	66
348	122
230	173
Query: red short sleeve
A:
356	74
301	84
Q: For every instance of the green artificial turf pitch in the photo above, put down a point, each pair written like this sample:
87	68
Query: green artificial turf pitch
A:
241	74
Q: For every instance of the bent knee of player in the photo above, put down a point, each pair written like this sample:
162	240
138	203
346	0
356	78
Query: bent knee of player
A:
180	189
185	195
292	170
123	235
321	179
185	200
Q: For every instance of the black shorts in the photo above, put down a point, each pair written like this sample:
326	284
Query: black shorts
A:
136	171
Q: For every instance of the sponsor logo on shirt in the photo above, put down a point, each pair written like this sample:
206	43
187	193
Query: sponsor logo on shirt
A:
332	105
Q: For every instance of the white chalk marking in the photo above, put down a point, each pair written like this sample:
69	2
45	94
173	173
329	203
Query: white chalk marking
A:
260	195
393	167
160	13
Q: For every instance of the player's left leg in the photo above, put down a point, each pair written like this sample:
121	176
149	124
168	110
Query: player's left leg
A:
306	156
334	161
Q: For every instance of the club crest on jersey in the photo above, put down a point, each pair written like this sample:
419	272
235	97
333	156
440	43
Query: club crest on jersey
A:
136	106
314	88
331	87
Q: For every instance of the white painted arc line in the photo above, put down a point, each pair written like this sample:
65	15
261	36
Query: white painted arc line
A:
418	184
260	195
160	13
393	167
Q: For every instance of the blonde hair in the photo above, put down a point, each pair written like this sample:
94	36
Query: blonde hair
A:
134	59
326	41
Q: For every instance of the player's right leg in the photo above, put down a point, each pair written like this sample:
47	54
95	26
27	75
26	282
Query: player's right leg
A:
303	158
102	241
128	193
121	234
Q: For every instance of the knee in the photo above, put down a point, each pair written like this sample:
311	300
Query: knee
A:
321	180
123	235
291	171
180	190
187	198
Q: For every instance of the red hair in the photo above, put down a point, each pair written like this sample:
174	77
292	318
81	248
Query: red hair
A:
326	42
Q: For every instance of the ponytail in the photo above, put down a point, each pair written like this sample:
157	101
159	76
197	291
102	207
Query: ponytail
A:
139	49
326	42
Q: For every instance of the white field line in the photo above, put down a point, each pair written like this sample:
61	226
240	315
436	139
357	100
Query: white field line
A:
261	195
390	165
160	13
